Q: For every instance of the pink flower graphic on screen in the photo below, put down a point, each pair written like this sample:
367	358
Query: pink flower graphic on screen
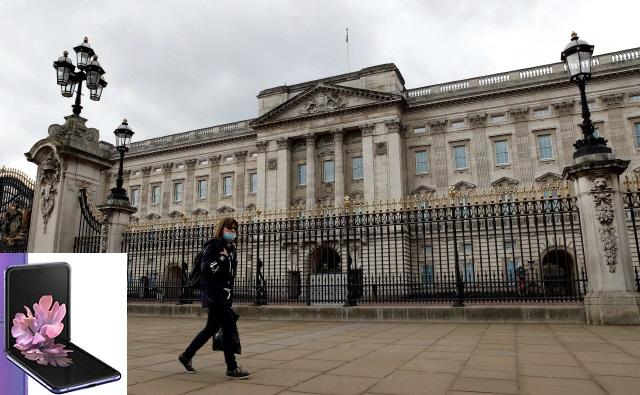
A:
35	332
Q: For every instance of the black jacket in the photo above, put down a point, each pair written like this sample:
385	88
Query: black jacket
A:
218	272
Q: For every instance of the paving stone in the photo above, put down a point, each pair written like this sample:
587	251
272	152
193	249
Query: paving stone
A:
500	374
312	365
567	372
164	387
281	377
485	385
619	385
612	369
238	387
433	365
558	386
491	361
414	383
335	385
135	376
587	356
536	358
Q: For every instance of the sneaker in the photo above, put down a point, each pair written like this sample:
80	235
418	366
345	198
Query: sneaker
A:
238	373
186	363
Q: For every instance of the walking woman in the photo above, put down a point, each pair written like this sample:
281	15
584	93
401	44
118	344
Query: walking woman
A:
218	266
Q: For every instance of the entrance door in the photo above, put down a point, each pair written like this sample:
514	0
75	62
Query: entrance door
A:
557	273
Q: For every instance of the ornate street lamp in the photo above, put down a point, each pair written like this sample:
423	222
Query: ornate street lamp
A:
88	70
577	58
123	140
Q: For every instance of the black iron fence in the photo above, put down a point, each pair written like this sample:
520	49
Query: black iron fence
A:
457	249
88	239
632	209
16	199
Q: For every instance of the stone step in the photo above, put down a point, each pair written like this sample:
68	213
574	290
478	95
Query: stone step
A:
511	313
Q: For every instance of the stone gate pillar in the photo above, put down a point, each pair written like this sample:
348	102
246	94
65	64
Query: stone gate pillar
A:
117	216
70	158
611	295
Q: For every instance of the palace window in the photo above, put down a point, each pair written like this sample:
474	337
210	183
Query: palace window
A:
202	189
253	182
327	171
135	197
177	192
636	129
545	147
357	169
541	112
227	185
419	130
301	174
460	157
155	194
502	152
422	162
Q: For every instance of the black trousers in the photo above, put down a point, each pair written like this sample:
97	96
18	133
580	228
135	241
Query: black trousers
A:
219	316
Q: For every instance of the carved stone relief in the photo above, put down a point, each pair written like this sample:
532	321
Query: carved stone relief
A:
74	127
603	199
49	179
367	130
477	121
262	146
519	114
324	101
565	107
381	148
438	126
613	100
272	164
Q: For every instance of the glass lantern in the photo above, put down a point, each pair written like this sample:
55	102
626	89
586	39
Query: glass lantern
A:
64	68
577	57
83	53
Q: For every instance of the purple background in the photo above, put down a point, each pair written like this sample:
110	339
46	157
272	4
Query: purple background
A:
13	379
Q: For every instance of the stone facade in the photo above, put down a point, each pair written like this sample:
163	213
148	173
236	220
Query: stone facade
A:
366	136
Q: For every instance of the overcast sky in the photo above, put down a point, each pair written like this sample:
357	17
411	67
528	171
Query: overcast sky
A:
174	66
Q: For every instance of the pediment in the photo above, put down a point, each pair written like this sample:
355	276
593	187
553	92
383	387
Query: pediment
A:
299	202
636	170
152	217
356	196
199	211
225	210
422	190
323	99
549	177
504	181
176	214
463	185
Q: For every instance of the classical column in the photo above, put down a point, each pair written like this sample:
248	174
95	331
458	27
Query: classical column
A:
568	129
611	296
620	141
261	170
522	168
283	199
311	170
439	154
188	193
240	157
395	159
338	136
483	153
167	187
367	162
214	174
144	191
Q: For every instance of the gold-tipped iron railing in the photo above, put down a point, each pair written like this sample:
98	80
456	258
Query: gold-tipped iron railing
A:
452	198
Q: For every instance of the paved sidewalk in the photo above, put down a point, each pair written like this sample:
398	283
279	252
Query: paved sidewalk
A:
290	357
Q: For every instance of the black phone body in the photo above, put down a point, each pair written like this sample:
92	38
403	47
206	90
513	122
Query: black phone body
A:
46	284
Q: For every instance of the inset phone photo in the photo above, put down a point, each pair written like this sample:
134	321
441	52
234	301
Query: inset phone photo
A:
13	379
37	330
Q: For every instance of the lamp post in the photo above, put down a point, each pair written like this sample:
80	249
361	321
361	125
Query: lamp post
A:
123	139
88	69
577	58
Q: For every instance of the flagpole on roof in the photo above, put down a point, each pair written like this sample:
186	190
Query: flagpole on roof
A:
347	40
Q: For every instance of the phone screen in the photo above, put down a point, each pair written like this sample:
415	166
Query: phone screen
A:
39	337
13	379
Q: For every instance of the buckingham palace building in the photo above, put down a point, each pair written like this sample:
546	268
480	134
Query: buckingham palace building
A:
365	135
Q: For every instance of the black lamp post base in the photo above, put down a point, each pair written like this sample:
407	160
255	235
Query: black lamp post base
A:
596	145
118	194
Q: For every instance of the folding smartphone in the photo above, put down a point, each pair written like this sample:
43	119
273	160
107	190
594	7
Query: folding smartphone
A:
14	381
37	331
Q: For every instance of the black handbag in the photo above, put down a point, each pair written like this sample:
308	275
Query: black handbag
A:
218	345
